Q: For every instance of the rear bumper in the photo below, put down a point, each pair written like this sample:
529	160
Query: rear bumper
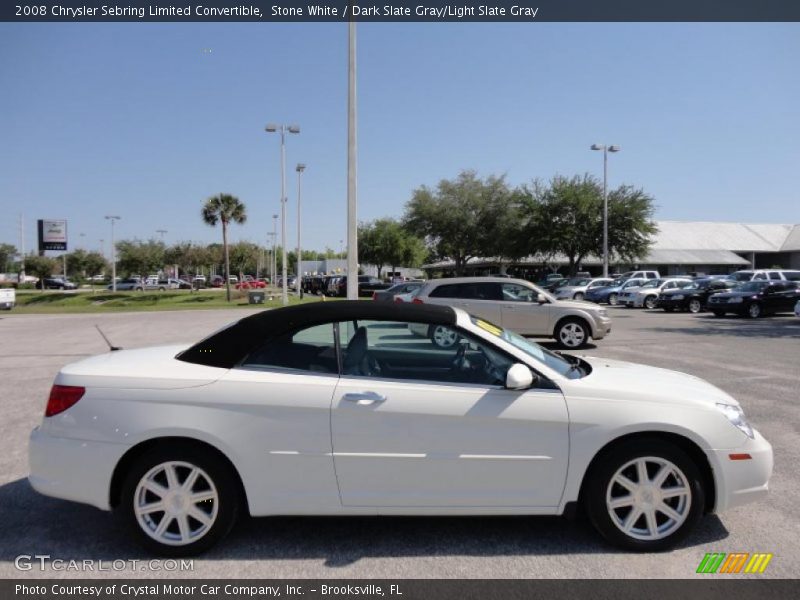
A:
742	481
74	470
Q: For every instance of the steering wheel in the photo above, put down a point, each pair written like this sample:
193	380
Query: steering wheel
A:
460	362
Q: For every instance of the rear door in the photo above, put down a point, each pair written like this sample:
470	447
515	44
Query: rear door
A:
481	299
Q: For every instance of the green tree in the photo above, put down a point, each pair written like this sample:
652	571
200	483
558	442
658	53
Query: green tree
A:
566	217
7	254
224	209
245	256
464	218
135	257
386	242
40	266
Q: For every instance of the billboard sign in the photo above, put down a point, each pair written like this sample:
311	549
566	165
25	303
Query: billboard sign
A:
52	234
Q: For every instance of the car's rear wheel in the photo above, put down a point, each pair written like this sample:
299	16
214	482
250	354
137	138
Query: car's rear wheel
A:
612	299
572	333
180	500
443	337
695	306
578	296
754	310
644	495
650	302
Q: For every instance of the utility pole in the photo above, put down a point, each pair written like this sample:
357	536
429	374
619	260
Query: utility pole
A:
22	247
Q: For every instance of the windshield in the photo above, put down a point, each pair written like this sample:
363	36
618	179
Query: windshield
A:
742	276
652	283
555	361
751	286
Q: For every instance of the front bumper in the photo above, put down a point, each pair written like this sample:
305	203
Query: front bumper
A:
74	470
741	481
602	327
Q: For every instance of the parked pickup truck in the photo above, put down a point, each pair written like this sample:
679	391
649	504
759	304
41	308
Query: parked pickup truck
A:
8	298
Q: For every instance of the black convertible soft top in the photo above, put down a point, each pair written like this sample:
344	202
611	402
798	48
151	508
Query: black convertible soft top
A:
226	348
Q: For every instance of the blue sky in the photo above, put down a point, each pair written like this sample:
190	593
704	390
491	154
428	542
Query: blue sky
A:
141	120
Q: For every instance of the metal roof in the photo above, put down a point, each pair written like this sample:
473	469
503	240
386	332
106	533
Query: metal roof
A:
792	242
709	235
693	257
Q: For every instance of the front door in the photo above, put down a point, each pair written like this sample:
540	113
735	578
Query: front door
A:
419	426
521	312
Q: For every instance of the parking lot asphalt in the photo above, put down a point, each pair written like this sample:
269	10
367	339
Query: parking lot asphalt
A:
758	362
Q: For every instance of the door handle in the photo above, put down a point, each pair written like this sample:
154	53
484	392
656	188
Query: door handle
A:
364	398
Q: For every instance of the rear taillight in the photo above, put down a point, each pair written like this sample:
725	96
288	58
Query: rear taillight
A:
62	397
417	301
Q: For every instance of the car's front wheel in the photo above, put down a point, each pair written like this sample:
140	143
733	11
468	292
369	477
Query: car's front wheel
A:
754	311
613	300
650	302
644	495
572	333
695	306
578	296
180	500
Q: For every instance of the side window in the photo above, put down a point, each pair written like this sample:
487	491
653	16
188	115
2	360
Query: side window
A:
311	349
774	275
419	352
517	293
759	276
450	290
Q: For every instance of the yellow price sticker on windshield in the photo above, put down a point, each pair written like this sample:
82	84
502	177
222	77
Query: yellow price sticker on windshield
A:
493	329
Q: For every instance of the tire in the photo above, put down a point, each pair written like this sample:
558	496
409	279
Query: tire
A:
572	333
754	310
650	529
443	337
719	314
650	302
578	296
204	524
162	289
612	299
695	306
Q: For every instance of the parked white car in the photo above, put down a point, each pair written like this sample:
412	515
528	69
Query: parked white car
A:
330	409
577	287
8	298
518	305
646	296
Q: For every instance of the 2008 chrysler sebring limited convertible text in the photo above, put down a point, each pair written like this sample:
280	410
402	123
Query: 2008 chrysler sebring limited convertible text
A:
338	409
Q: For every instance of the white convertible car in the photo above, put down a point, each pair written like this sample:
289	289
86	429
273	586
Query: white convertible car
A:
337	409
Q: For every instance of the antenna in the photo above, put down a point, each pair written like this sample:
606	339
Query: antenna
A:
110	345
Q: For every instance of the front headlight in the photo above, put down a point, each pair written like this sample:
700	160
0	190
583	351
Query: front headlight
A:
678	297
735	299
736	416
602	312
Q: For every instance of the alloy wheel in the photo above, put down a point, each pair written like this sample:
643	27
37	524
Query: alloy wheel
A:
444	337
176	503
694	306
612	299
648	498
754	311
572	334
650	302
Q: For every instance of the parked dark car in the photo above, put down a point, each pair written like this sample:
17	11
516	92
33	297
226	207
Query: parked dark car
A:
399	288
57	283
694	296
366	286
756	298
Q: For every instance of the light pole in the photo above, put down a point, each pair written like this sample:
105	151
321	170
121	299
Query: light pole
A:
113	253
606	150
272	128
299	280
352	156
274	249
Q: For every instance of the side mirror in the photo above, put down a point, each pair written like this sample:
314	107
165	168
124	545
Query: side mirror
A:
541	298
519	377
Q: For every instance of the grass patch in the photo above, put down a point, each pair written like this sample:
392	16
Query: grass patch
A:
86	302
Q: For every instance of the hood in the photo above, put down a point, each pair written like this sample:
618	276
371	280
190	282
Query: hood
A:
143	368
579	304
620	380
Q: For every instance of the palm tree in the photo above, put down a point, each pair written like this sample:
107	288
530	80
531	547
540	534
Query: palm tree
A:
227	209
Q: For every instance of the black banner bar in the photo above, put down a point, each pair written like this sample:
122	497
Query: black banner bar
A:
524	11
708	588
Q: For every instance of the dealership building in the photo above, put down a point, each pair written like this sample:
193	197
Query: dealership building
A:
678	247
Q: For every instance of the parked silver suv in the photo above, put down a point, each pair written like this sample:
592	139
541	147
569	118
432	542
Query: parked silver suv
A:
517	305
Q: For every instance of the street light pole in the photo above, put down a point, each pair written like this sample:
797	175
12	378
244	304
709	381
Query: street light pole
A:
113	254
299	280
352	216
274	248
606	149
272	128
